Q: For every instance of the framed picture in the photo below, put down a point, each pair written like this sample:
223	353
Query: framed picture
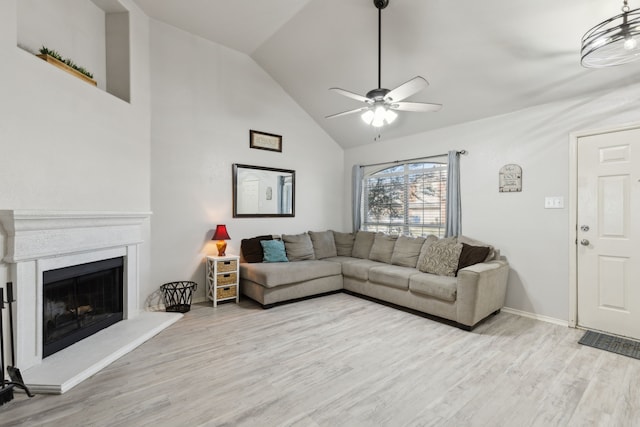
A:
265	141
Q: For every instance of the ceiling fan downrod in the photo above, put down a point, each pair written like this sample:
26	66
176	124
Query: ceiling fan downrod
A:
380	4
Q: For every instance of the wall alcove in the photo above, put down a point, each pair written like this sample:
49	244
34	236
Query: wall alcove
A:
94	34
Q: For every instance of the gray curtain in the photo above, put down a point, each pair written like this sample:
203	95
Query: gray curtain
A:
356	194
454	210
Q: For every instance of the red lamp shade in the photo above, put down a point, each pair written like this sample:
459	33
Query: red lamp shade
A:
221	235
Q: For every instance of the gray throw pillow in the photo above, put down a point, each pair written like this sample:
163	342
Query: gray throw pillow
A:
407	250
298	246
362	244
324	246
382	248
344	243
442	257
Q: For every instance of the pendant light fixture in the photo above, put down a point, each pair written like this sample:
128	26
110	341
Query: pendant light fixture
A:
615	41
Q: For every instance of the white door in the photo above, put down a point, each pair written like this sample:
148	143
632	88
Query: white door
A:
608	235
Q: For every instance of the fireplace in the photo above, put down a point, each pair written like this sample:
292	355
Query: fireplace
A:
79	301
38	242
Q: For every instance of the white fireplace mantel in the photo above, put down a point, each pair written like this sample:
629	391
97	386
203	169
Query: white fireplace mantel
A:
40	240
35	234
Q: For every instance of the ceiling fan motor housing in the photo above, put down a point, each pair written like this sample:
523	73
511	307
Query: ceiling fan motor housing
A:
377	94
381	4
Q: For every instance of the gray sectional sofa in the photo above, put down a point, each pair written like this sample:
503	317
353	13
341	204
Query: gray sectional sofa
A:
457	279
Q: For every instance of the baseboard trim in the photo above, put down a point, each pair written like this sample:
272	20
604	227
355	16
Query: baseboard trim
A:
535	316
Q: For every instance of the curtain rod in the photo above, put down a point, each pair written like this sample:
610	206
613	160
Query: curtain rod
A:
411	160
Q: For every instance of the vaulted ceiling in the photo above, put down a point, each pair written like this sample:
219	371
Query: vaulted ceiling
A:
481	58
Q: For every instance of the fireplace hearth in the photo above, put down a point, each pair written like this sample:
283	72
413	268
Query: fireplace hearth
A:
79	301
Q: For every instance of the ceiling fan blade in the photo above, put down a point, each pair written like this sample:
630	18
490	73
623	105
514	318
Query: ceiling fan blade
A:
344	113
407	89
352	95
417	107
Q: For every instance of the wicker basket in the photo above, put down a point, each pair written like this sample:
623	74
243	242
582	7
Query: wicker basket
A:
227	279
224	266
228	292
177	295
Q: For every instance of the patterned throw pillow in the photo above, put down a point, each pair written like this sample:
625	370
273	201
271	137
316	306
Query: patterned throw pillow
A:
429	240
274	251
442	257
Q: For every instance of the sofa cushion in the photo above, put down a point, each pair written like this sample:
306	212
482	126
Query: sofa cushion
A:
273	251
324	245
359	269
344	243
441	287
362	244
382	248
442	257
273	275
342	259
406	251
392	275
469	241
298	246
472	255
252	249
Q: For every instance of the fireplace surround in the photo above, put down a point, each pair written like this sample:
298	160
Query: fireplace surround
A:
38	241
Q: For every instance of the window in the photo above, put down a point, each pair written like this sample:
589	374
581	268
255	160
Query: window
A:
408	199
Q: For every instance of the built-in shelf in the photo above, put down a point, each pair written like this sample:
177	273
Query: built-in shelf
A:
92	33
64	67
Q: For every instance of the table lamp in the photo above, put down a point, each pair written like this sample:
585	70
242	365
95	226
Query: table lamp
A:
221	235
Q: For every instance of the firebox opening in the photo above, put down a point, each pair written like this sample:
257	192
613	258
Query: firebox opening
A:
79	301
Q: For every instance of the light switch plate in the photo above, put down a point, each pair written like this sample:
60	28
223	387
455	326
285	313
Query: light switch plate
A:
554	202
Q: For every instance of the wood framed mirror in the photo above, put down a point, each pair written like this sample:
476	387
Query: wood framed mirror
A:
260	191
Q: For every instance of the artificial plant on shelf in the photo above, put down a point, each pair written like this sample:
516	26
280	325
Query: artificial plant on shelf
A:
54	54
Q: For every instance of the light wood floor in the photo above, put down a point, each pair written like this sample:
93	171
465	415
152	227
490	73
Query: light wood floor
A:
344	361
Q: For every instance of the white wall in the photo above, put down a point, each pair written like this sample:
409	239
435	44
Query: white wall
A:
534	240
66	145
205	100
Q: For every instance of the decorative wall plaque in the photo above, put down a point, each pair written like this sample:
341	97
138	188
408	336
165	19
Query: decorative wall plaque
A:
265	141
510	178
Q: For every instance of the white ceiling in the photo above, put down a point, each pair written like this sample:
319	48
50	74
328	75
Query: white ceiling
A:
481	58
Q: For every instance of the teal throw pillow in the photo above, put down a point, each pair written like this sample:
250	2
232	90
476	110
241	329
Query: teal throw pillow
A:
274	251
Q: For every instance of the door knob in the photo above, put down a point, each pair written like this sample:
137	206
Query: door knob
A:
584	228
584	242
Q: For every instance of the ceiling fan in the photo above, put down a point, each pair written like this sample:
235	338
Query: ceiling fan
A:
381	102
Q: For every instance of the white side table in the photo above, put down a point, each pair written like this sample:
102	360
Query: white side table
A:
222	278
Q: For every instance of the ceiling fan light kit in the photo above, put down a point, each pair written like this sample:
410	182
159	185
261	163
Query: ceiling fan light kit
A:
382	102
615	41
